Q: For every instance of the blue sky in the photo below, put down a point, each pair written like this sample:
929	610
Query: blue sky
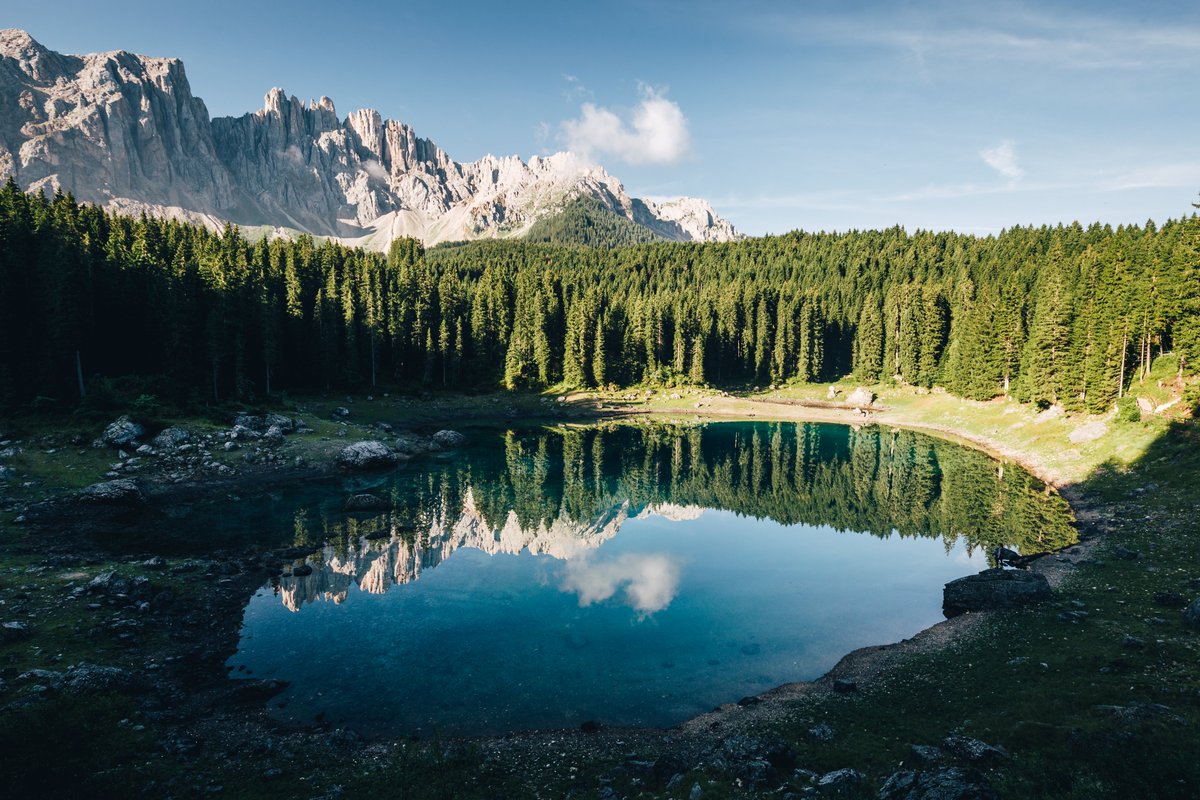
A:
811	115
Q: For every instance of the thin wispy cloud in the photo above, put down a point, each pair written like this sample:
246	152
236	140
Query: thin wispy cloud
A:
1003	159
1154	176
1010	33
654	132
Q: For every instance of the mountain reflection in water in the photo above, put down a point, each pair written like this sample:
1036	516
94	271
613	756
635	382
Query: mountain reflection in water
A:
564	492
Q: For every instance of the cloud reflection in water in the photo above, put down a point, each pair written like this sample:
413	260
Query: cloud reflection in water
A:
650	580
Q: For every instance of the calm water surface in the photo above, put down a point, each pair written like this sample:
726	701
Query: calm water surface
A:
632	576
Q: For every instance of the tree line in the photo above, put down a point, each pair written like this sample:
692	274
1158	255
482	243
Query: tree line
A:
1062	314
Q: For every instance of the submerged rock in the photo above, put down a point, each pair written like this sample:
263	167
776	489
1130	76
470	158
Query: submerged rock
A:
366	502
994	589
366	455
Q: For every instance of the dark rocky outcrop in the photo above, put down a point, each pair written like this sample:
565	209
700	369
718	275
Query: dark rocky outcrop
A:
952	783
994	589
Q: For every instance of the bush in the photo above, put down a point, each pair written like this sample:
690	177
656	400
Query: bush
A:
1128	411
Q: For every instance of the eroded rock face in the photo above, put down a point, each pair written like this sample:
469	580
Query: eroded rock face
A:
124	131
994	589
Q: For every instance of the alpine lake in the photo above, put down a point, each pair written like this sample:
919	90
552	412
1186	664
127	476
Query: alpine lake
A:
627	575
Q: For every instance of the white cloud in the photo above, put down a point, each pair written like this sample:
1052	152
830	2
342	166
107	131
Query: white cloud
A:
1003	159
655	133
650	581
374	169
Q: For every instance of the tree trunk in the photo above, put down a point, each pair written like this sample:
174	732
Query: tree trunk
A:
79	375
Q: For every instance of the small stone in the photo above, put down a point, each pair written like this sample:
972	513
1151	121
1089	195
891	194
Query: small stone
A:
1125	553
1133	643
841	686
822	732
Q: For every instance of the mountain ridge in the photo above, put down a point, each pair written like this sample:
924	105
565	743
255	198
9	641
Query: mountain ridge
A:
124	131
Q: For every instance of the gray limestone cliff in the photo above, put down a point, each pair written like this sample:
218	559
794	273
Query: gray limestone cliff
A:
124	131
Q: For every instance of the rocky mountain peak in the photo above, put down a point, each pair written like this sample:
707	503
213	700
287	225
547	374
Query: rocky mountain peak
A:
124	131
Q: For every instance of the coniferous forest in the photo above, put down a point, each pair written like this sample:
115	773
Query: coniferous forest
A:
1065	315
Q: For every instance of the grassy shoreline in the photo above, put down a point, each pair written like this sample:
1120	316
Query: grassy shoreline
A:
1027	680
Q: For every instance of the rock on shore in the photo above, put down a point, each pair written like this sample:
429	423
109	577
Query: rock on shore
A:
994	589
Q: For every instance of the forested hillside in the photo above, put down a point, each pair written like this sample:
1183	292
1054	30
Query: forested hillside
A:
1066	315
587	221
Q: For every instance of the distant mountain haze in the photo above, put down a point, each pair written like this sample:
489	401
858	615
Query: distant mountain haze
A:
125	132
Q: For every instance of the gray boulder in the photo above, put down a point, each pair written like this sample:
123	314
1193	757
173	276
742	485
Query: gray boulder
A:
366	455
118	492
952	783
108	583
994	589
121	432
862	396
449	439
839	781
1191	614
171	437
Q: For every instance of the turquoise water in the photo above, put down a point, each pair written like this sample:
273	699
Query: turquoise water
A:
625	576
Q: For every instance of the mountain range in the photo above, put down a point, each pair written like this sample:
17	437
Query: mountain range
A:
125	131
